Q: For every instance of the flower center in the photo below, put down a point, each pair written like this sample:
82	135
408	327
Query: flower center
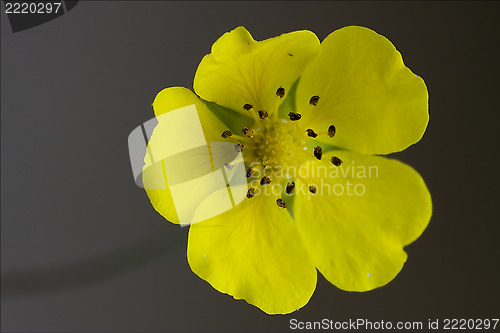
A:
275	146
277	143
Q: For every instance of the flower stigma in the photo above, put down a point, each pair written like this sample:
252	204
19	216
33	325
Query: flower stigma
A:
272	144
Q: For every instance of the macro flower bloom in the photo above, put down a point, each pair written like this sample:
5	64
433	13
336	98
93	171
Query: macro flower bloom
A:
310	119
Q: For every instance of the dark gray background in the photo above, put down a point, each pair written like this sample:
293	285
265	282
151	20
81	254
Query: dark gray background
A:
82	248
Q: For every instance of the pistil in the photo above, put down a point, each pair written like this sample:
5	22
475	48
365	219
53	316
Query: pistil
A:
278	144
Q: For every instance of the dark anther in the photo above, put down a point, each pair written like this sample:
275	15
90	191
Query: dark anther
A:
294	116
250	193
229	166
336	161
226	134
263	114
239	147
248	132
280	92
247	106
250	172
318	152
289	188
311	133
265	181
291	55
312	189
314	100
331	131
280	202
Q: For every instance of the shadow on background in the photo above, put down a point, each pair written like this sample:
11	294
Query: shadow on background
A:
90	270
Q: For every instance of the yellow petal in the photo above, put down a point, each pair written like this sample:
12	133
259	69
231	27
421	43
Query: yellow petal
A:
241	71
376	103
362	216
178	152
178	97
254	252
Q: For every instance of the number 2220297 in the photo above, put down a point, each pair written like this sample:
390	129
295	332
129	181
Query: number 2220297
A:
12	7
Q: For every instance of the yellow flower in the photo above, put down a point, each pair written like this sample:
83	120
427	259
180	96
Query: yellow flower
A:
309	118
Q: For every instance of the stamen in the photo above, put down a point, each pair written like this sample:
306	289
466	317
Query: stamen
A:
280	92
263	114
248	132
314	100
318	152
248	107
280	202
250	172
336	161
294	116
265	180
239	147
226	134
289	188
311	133
313	189
250	193
331	131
